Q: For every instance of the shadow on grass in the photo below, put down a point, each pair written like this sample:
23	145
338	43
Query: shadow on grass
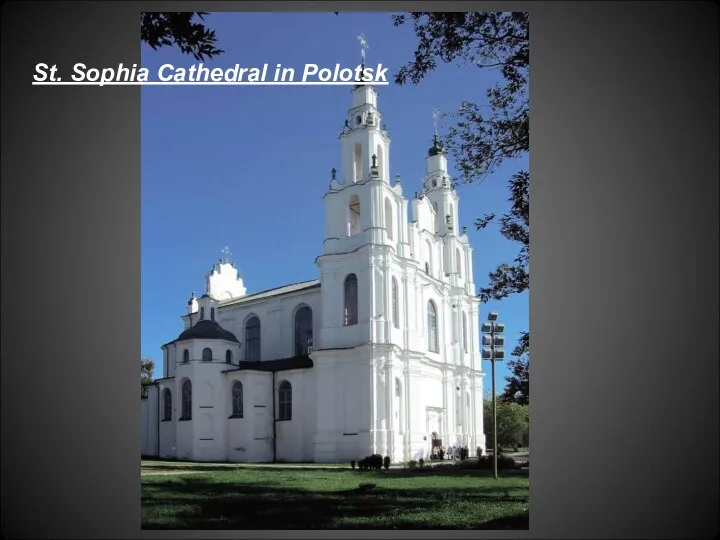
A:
210	505
449	470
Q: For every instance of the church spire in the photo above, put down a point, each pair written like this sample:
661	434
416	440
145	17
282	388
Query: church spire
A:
364	140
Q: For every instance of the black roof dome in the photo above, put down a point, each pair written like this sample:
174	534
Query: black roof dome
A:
207	329
436	148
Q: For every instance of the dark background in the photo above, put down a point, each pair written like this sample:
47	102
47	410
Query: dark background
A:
623	301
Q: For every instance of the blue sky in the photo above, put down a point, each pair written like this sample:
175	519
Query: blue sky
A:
247	166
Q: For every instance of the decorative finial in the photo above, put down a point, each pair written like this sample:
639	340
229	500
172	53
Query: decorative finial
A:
397	178
225	258
436	114
363	46
464	229
347	124
374	161
333	172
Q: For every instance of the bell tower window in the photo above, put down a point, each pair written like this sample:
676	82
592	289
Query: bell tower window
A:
354	216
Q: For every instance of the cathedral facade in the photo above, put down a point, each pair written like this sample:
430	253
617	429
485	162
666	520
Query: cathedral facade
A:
380	355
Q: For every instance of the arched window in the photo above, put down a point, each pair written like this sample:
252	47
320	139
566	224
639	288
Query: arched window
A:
186	400
464	333
237	400
395	311
358	160
212	313
167	404
228	356
432	327
399	416
354	225
303	331
428	257
451	223
380	161
285	401
351	300
252	340
186	356
458	263
202	313
207	355
389	219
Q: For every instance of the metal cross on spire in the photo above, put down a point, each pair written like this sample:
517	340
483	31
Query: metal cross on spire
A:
225	258
363	45
436	115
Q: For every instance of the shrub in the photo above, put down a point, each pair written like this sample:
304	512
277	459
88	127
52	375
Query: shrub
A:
441	454
375	462
412	464
386	462
478	452
352	463
421	463
463	452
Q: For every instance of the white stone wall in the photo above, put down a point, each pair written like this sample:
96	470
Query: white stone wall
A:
375	386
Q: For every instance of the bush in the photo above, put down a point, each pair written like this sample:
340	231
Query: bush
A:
412	464
421	463
352	463
441	454
463	453
478	452
376	462
386	462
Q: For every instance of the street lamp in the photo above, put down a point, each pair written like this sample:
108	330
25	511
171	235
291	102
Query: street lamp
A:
493	339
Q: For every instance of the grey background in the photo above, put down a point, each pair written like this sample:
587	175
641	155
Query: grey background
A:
624	294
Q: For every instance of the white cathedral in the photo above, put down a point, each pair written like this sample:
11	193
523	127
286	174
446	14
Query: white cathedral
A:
380	355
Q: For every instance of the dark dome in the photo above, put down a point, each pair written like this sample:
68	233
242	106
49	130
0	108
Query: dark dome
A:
436	148
207	330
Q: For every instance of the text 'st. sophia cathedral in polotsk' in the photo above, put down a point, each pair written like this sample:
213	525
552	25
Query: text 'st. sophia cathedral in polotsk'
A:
380	355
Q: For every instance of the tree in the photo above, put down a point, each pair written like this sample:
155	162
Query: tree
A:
179	29
147	367
484	136
513	424
517	389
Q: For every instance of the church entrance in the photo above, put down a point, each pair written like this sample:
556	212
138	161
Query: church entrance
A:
434	430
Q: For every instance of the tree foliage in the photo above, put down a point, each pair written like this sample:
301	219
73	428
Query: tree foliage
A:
484	136
517	389
179	29
513	424
147	368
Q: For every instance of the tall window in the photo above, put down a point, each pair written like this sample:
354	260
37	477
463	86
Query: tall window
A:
186	400
228	356
207	355
167	404
303	331
252	340
237	400
389	219
186	356
354	226
285	401
428	257
351	300
464	333
212	313
432	327
395	313
202	313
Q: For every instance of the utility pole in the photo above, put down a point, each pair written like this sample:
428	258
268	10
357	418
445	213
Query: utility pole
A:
492	341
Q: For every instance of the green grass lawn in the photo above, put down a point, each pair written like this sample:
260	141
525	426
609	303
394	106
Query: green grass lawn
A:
222	496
